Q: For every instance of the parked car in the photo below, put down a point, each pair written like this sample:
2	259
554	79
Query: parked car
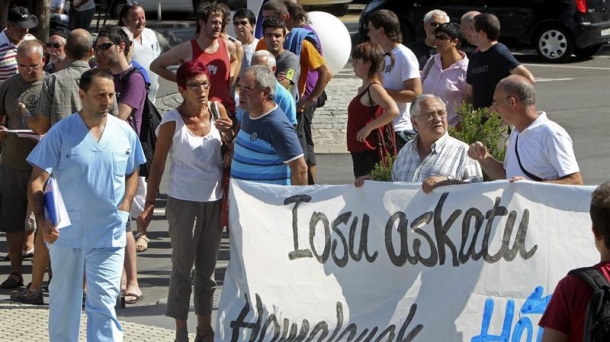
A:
335	7
555	28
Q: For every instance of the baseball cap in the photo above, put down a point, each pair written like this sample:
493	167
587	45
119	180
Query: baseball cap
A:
22	18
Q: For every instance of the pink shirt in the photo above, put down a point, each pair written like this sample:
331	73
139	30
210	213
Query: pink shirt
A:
448	84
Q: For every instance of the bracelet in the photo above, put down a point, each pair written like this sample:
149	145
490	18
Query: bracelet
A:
149	202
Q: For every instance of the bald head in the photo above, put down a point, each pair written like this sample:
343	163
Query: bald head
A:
30	47
466	23
519	87
79	45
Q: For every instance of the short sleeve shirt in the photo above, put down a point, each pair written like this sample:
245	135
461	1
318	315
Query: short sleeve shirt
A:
405	68
485	70
263	148
13	91
284	101
310	60
132	94
287	66
91	178
545	150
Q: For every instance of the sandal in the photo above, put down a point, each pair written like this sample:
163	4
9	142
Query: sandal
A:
141	243
13	281
205	335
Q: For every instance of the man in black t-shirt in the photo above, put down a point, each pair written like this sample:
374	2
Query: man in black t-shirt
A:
491	63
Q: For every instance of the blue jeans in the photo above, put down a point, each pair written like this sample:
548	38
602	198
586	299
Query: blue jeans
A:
102	268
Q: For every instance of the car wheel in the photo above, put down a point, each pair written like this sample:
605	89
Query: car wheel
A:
116	8
339	10
588	51
554	44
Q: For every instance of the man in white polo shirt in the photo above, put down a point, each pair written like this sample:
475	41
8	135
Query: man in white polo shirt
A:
19	21
538	148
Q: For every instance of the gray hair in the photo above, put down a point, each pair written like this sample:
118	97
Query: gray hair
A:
438	13
263	78
519	87
265	54
416	105
28	47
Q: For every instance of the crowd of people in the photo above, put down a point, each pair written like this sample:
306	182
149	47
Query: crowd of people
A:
247	102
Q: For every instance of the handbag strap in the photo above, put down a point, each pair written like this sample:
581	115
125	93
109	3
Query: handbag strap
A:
427	69
530	175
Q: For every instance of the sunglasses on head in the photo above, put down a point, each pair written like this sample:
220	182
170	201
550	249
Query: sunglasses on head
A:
54	45
103	47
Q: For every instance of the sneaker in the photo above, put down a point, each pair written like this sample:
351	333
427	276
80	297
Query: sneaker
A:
26	296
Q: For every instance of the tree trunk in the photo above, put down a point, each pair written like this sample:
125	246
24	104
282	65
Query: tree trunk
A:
43	13
3	12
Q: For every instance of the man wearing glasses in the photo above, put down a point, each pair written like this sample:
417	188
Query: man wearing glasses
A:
19	22
56	49
244	23
432	157
538	148
425	47
21	89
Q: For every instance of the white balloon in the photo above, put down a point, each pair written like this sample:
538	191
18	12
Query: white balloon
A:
334	37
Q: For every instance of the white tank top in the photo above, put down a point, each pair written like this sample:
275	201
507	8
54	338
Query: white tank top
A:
195	172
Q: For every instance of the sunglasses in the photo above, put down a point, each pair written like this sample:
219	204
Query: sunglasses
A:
54	45
434	24
242	23
103	47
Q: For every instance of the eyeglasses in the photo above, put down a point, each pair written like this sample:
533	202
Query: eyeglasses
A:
241	23
54	45
442	37
29	67
430	116
434	24
198	85
104	46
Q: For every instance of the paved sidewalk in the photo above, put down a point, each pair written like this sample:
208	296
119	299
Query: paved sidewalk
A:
29	323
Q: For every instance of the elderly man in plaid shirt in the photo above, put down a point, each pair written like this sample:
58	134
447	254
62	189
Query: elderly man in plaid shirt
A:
432	157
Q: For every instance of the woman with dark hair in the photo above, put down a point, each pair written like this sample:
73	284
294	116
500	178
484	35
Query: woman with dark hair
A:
368	61
191	135
145	43
444	75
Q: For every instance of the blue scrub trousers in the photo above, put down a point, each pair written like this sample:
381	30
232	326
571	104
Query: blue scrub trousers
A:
102	267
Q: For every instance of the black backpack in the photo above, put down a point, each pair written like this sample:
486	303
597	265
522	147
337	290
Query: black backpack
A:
597	319
151	118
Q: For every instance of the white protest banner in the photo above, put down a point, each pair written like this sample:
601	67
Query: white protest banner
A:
387	262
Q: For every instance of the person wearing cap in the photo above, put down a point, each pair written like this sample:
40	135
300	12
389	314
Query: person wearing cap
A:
19	21
58	59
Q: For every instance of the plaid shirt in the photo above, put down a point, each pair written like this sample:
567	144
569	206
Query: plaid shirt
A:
449	157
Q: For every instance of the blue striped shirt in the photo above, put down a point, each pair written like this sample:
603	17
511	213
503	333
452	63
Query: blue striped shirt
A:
263	148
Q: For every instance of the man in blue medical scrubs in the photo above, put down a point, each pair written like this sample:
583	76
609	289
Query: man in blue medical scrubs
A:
95	159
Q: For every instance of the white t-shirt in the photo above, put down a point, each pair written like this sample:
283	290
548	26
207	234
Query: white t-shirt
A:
146	52
545	150
195	172
405	68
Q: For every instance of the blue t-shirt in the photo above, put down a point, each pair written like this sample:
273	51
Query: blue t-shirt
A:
284	100
91	178
263	147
